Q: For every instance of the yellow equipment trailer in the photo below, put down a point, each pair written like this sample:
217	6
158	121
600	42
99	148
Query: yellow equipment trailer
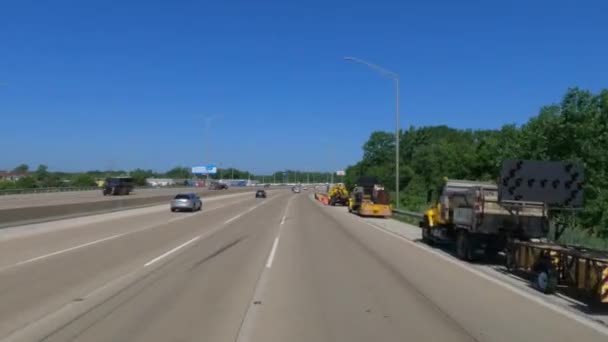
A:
369	198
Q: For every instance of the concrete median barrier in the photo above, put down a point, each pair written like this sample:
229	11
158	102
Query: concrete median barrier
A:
26	215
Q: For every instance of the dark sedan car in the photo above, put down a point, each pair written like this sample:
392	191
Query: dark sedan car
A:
260	194
218	186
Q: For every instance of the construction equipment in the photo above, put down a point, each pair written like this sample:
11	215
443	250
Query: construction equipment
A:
559	184
338	195
369	198
470	214
582	269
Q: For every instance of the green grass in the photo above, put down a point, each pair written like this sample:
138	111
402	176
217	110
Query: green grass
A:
573	236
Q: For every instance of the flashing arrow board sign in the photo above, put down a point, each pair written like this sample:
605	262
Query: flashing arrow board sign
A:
204	170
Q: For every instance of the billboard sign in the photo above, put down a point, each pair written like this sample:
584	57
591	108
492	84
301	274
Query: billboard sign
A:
556	183
340	173
204	170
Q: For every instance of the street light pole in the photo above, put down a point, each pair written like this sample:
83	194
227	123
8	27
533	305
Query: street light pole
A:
395	78
397	138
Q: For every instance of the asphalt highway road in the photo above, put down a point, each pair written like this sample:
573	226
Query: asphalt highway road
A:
244	269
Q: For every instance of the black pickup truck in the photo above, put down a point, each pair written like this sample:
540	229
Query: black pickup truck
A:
118	186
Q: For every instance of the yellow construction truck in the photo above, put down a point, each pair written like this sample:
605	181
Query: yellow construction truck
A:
338	195
513	217
470	214
369	198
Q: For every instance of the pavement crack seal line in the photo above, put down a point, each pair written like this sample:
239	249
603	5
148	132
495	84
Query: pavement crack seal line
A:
246	328
46	326
587	321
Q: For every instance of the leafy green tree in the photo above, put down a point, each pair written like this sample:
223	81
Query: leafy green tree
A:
23	168
140	176
575	129
179	172
27	182
41	175
5	185
83	179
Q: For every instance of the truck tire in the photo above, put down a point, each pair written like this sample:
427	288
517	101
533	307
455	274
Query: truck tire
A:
510	262
426	231
545	279
464	246
491	249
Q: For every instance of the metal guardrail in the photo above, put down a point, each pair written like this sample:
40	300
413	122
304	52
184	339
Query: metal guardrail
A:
408	213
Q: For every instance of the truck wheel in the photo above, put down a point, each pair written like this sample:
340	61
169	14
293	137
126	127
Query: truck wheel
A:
491	250
510	261
545	279
426	238
464	249
426	232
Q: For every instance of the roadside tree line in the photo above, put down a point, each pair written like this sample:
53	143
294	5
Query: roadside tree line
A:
575	129
43	178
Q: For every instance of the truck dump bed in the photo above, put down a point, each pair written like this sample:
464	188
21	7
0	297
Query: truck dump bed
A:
475	206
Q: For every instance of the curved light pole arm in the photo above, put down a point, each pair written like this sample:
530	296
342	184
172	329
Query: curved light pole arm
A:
395	77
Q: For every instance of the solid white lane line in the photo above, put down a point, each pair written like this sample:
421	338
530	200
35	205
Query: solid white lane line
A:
272	252
69	249
569	314
171	251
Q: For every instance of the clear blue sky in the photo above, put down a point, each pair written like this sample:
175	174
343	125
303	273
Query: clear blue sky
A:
125	84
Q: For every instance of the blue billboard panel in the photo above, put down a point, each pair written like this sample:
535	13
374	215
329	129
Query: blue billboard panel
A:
204	170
